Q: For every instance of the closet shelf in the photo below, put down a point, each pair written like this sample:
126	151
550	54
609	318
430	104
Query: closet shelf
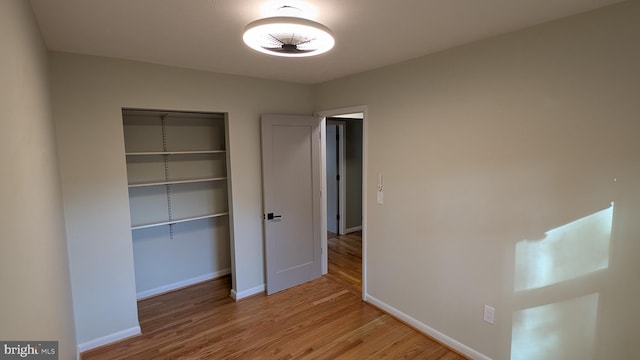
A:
176	182
151	153
171	222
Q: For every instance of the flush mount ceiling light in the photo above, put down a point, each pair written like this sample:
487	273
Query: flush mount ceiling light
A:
288	36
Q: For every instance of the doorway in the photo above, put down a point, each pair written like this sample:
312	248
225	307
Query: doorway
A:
344	173
344	213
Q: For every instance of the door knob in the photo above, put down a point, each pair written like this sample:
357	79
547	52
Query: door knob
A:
271	216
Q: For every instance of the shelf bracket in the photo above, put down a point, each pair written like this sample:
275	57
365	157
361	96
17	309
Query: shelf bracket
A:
166	172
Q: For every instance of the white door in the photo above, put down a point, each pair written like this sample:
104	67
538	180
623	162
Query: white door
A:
291	199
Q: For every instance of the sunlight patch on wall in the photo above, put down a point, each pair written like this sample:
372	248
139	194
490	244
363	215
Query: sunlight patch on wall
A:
567	252
563	330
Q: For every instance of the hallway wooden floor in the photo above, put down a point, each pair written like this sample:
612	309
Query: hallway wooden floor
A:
322	319
345	260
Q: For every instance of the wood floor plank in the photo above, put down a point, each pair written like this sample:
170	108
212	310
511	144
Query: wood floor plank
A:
321	319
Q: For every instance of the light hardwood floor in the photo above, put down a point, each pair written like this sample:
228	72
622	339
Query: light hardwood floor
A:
345	260
322	319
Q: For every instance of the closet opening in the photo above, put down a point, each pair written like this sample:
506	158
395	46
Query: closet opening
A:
179	186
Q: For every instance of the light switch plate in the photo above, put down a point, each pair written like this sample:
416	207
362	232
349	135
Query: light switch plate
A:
489	314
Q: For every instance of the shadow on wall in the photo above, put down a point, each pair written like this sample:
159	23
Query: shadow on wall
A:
557	289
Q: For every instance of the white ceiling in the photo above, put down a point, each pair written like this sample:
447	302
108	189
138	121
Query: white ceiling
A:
207	34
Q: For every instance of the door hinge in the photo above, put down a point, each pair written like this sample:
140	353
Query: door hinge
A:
338	177
338	216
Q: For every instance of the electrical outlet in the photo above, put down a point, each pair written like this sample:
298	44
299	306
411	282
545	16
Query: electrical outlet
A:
489	314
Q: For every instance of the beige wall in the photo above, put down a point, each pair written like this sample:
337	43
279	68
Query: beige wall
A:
490	153
35	300
88	94
353	154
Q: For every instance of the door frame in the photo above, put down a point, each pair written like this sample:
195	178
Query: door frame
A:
342	166
323	162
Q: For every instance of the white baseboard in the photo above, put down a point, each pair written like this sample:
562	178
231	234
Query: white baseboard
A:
450	342
120	335
180	284
353	229
246	293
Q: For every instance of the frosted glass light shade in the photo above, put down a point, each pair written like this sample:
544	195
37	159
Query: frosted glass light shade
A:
288	36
